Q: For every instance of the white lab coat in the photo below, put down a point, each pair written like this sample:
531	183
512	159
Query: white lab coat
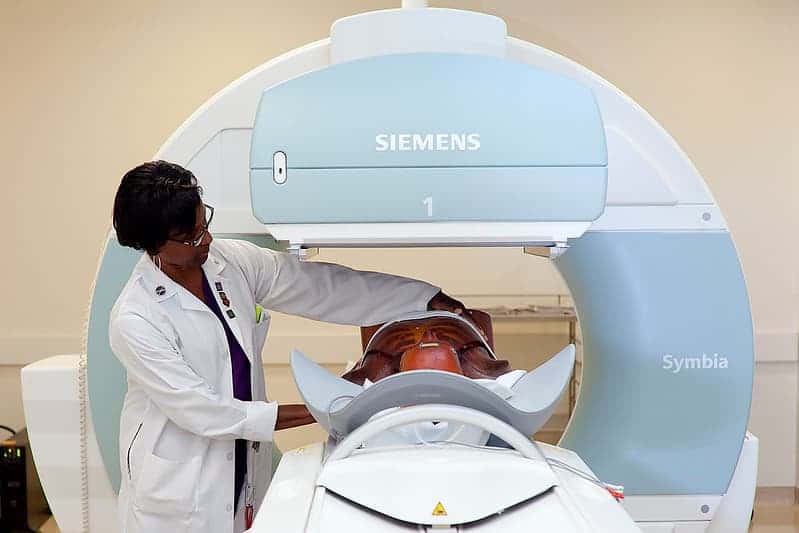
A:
179	421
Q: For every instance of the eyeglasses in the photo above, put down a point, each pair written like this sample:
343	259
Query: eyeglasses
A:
209	216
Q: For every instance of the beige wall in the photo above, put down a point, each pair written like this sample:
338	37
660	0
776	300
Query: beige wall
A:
91	88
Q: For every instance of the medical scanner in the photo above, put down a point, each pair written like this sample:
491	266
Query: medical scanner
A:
432	127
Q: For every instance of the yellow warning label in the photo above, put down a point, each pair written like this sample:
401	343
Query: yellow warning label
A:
439	510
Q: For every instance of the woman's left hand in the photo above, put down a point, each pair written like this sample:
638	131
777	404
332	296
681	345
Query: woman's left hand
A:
443	302
292	416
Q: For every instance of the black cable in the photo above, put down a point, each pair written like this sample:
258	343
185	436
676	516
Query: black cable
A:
8	429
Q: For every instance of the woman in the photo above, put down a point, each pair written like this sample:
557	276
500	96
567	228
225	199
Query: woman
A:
189	326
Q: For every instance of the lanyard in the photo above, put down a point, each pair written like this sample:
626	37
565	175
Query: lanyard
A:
249	491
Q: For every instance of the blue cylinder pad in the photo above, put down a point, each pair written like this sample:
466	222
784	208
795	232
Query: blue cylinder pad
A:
667	378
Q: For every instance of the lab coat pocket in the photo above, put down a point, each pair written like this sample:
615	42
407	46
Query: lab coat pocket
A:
260	329
168	488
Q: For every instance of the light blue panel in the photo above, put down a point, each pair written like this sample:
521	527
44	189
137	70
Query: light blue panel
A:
642	297
541	139
525	116
107	381
361	195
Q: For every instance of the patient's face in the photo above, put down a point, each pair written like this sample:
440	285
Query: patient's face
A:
438	343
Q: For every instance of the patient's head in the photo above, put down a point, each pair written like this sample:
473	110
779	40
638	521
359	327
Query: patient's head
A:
433	340
431	354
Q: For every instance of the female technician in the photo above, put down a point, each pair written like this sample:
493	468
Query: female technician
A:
189	326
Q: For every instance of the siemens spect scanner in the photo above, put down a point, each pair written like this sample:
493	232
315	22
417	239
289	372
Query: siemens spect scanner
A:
433	127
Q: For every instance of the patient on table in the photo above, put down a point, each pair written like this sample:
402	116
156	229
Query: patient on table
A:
411	360
433	341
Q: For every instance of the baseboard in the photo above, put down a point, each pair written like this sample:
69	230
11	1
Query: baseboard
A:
777	495
776	346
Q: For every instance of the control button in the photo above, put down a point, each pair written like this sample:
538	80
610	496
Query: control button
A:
230	456
279	167
229	508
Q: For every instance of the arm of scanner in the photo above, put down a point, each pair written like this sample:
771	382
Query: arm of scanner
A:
340	406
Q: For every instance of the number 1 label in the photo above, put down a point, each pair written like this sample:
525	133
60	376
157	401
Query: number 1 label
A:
429	203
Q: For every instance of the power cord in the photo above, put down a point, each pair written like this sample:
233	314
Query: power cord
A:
617	491
83	402
83	448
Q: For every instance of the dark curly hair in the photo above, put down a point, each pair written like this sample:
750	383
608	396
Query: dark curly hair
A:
155	200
